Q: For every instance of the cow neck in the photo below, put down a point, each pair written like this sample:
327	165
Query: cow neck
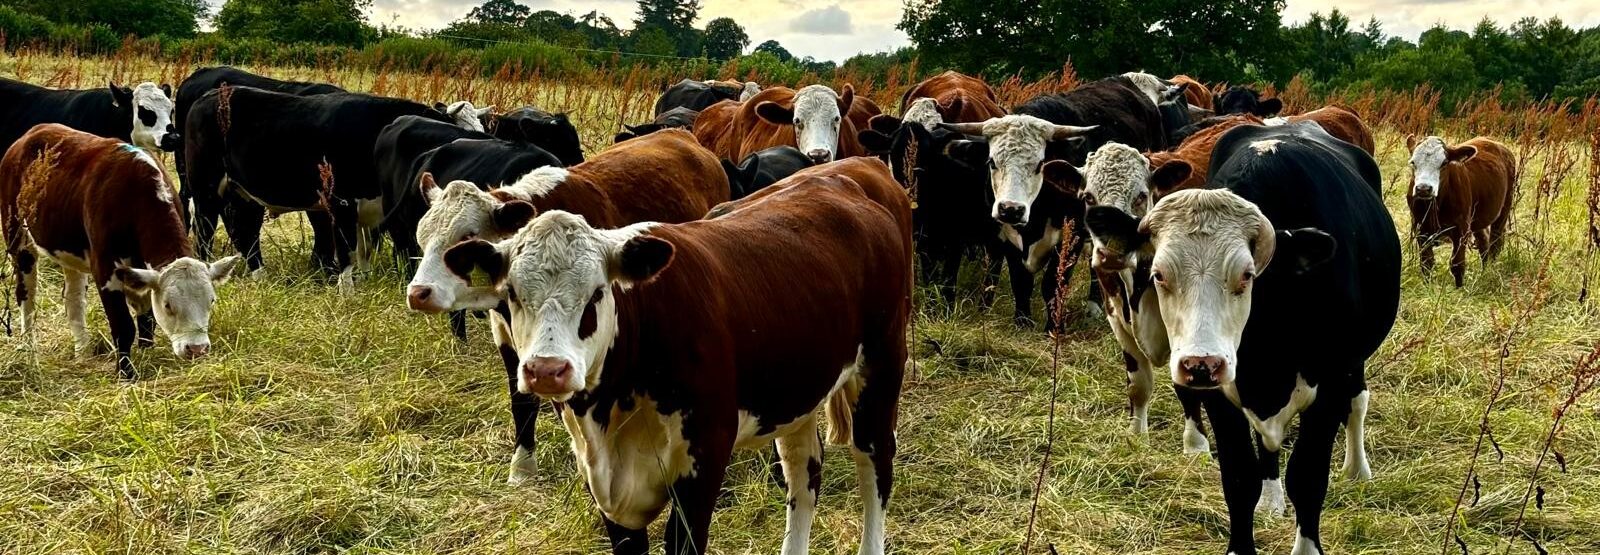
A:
160	240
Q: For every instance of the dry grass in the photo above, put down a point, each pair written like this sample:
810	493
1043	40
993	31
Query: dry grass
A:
323	423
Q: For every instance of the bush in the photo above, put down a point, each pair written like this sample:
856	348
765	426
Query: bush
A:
20	28
412	52
548	59
767	67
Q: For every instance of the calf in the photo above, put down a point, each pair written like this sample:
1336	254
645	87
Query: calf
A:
1288	195
660	387
102	207
1239	99
663	177
1457	190
763	168
676	118
141	115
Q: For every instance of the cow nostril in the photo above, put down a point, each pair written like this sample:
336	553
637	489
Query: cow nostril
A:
423	294
196	351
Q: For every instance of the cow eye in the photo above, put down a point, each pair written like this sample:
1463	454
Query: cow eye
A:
598	294
1039	167
1157	277
467	237
1244	283
1088	198
992	164
836	119
167	305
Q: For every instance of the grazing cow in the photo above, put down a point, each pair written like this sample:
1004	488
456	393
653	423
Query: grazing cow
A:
141	115
812	119
103	207
552	132
676	118
1186	166
1288	195
1457	190
1195	92
291	153
1339	121
661	177
1239	99
1039	144
763	168
699	95
661	387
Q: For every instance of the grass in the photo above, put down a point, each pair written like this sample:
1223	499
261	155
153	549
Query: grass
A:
323	423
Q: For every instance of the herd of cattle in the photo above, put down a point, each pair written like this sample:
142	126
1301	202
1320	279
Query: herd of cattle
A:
655	291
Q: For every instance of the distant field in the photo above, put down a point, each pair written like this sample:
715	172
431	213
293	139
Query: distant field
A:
323	423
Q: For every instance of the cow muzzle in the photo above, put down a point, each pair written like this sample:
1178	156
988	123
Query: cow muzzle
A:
424	298
1424	192
820	155
171	141
546	376
1011	213
1201	372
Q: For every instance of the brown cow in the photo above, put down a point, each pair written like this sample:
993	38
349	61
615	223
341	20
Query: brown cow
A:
105	208
1194	91
1461	189
814	119
1186	167
661	382
713	128
1339	121
660	177
948	97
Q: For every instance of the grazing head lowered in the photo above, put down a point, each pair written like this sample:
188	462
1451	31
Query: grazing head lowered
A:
464	114
458	212
182	294
151	108
1015	155
815	115
1428	159
560	278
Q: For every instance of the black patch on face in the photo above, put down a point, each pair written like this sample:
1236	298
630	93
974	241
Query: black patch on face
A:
587	326
147	116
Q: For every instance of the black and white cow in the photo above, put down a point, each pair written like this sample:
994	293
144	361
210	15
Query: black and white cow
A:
679	118
763	168
1263	343
699	95
397	154
551	131
141	115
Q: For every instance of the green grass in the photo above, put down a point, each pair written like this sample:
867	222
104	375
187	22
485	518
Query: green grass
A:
322	423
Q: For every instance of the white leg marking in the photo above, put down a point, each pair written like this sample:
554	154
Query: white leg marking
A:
1356	466
1303	545
872	518
523	467
347	281
75	295
1271	503
796	451
1141	384
1194	442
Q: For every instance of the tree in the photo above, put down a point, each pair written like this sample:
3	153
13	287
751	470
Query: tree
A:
777	50
673	17
500	11
172	18
725	39
318	21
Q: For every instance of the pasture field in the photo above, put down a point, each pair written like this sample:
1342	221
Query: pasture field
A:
323	423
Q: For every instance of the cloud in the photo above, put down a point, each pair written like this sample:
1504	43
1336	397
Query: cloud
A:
831	20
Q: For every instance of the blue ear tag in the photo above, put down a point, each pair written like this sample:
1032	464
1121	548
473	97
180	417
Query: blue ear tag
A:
130	148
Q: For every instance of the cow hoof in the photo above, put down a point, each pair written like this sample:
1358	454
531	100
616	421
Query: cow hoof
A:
347	283
1271	504
523	466
1304	545
258	273
1194	442
1357	471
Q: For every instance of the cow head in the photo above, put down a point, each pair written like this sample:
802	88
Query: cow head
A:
1244	100
1210	246
1428	159
151	109
552	132
465	115
561	278
1158	90
182	294
1015	156
680	117
1116	177
926	111
457	212
816	115
750	90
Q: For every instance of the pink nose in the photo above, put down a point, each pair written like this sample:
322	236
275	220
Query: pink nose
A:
1203	372
195	351
819	155
420	298
545	374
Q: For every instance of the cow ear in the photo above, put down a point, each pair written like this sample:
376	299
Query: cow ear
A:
166	89
137	281
641	258
119	94
1063	176
1197	113
511	216
884	124
775	113
623	136
484	111
466	256
874	141
1118	230
221	270
1461	153
429	187
1302	250
441	107
846	98
1269	107
1411	143
1166	179
972	154
635	129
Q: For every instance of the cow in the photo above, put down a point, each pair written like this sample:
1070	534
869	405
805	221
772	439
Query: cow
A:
235	141
104	208
661	177
679	118
1460	190
208	209
141	115
948	97
1041	141
552	132
713	128
1339	121
815	119
699	95
1292	223
662	394
1240	99
763	168
1195	92
1186	166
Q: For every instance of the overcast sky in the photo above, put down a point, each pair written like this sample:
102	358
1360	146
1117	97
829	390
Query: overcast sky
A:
835	30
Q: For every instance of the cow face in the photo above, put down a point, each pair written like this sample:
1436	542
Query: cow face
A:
1158	90
925	111
465	115
1243	100
1428	159
1116	176
183	293
816	116
1210	246
560	278
750	90
458	212
1016	160
152	115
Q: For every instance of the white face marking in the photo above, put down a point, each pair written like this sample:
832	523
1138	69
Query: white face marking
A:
1016	160
924	111
1203	273
466	116
152	113
460	212
1148	84
1116	175
1427	165
750	89
183	294
816	120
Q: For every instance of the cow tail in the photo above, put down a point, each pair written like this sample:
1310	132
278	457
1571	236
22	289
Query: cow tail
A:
841	410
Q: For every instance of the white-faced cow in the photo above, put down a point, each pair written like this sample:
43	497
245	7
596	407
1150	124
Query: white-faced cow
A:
815	119
141	115
661	383
105	209
1459	191
1274	289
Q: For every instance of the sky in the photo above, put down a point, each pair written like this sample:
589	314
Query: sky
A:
835	30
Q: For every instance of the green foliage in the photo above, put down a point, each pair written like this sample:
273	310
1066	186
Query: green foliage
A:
310	21
531	56
505	12
767	64
675	19
725	38
777	50
415	52
172	18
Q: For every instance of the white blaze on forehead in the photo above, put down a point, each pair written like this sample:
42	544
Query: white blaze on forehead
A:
1016	148
148	96
924	111
184	292
1148	84
1427	162
1118	175
467	116
816	120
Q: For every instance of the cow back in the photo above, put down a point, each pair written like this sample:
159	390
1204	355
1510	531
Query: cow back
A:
92	111
1342	123
662	177
1120	113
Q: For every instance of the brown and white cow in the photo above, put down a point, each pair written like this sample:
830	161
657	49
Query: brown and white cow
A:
662	177
1458	190
105	208
815	119
1194	91
949	97
661	382
1186	166
1339	121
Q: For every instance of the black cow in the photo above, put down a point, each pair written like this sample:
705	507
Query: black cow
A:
291	153
141	115
552	132
696	95
1239	99
680	118
1292	337
763	168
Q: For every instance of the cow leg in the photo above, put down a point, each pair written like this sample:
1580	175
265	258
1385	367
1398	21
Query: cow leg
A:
115	303
207	212
1425	244
75	292
1194	429
627	541
1458	255
1021	290
872	436
245	220
322	257
1271	503
1480	241
144	320
1241	487
458	324
347	232
1308	470
524	407
369	214
1141	381
800	454
26	263
694	497
1356	467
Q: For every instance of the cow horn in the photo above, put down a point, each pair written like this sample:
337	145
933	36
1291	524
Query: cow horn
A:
970	128
1264	243
1062	132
